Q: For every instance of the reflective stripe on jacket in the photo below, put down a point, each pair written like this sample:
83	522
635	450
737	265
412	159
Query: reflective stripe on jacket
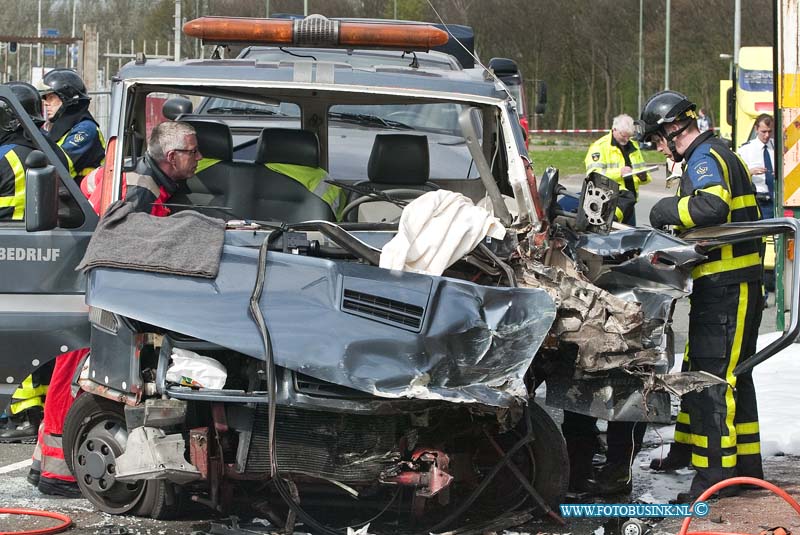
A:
12	182
606	158
313	178
715	188
84	147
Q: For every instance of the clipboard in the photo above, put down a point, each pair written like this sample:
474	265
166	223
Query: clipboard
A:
639	171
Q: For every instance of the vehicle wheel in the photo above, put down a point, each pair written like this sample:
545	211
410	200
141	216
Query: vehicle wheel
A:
543	461
94	436
550	455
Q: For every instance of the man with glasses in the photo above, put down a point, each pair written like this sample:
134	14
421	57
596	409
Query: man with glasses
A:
717	428
171	159
617	156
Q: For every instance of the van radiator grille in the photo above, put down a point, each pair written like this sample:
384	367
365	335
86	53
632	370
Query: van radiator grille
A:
349	448
382	308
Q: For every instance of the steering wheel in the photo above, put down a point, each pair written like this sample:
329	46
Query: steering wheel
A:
399	194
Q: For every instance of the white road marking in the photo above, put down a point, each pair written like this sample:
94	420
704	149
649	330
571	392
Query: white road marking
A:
16	466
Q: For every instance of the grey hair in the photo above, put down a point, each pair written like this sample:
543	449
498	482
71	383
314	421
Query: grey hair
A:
167	136
623	123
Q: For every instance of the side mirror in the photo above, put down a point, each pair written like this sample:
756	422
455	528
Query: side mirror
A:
175	107
730	109
503	66
41	193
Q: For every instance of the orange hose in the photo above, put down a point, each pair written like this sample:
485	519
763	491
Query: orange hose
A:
65	521
736	481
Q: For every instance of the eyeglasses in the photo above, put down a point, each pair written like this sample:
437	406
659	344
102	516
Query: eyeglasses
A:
194	152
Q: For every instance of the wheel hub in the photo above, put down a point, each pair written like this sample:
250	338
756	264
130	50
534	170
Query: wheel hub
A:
96	464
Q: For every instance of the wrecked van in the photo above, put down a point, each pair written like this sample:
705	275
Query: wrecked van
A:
351	393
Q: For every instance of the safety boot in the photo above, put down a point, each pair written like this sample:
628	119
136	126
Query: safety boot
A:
57	487
679	456
610	480
22	428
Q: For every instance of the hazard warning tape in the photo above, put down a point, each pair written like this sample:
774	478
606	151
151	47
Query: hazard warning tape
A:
791	157
569	131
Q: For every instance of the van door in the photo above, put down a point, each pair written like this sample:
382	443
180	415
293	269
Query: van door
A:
42	310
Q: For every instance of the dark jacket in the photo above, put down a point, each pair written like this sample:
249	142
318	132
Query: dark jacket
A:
715	188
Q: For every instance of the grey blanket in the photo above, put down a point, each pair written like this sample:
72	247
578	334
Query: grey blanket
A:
186	243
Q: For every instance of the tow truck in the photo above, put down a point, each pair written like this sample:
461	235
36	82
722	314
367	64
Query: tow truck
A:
353	393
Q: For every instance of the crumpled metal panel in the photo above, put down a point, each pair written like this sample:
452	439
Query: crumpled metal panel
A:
606	330
644	259
614	315
474	343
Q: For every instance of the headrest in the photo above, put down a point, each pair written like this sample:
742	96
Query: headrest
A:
399	159
213	139
287	145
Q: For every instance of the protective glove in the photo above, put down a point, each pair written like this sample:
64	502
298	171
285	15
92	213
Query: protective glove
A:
659	212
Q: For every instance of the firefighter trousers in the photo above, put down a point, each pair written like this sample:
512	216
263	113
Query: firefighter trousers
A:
49	453
720	424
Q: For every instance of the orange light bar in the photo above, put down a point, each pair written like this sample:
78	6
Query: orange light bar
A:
405	36
315	30
229	30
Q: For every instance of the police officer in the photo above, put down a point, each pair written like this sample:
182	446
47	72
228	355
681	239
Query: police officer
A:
616	154
717	428
27	401
69	122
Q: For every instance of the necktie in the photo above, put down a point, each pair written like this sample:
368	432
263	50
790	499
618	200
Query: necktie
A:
769	176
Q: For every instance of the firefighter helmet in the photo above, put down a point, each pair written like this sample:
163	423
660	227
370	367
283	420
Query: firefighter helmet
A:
31	103
663	107
66	84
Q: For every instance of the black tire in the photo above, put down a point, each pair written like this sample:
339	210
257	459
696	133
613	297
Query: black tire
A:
94	435
550	455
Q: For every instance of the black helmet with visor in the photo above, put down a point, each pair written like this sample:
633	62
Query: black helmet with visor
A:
28	96
663	108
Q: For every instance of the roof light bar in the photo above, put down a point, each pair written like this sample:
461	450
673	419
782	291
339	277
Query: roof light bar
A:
315	30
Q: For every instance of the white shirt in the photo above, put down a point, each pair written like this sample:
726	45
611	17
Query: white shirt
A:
752	153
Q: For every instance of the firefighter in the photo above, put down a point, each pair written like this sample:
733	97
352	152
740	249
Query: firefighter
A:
171	158
717	428
616	154
69	122
27	401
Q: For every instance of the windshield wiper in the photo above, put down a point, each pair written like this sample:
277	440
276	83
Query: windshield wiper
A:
250	110
372	120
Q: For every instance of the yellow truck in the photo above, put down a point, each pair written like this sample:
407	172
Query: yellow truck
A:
747	95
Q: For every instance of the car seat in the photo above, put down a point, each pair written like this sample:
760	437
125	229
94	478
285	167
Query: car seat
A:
399	165
286	158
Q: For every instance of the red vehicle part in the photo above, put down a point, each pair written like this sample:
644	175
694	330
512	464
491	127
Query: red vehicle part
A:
427	471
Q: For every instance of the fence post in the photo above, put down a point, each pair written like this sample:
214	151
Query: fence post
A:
90	58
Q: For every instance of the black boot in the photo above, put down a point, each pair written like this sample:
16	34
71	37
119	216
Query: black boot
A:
56	487
579	435
22	428
679	456
611	479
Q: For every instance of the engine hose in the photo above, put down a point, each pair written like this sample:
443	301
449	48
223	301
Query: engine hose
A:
258	318
66	521
727	483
